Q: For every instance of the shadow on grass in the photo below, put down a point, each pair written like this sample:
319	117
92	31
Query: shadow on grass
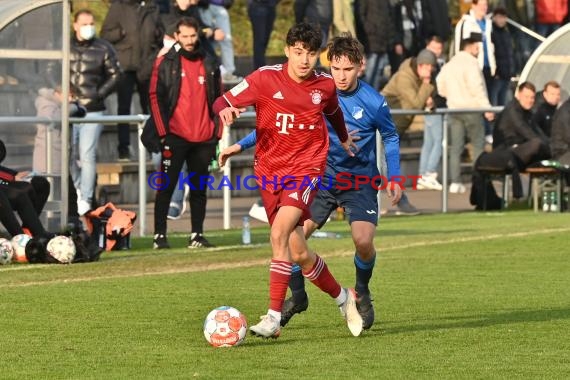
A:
486	320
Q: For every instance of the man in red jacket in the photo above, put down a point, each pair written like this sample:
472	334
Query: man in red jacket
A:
184	84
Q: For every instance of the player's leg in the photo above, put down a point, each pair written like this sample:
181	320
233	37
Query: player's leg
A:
283	221
361	208
321	207
316	270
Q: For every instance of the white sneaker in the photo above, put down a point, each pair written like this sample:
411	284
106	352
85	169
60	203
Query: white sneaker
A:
428	181
457	188
350	313
83	207
269	327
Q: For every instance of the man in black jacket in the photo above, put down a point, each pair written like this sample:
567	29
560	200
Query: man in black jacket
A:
95	72
560	141
515	129
547	102
135	29
184	84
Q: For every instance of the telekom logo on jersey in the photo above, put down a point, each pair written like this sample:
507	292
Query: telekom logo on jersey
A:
285	121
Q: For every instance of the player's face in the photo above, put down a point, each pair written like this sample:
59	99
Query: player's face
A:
344	73
187	37
301	61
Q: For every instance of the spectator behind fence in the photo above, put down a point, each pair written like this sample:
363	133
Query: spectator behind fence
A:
135	29
189	8
410	88
216	14
95	72
521	12
433	128
261	14
435	20
550	15
545	106
515	129
560	141
375	29
184	122
461	82
504	56
343	17
319	12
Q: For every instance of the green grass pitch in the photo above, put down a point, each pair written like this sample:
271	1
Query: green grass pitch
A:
474	296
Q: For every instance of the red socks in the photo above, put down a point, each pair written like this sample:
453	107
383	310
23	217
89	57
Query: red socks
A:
279	275
323	279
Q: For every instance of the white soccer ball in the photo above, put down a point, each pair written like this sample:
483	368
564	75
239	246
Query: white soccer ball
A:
19	245
225	326
62	249
6	251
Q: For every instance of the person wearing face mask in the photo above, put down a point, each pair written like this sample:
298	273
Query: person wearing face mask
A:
184	84
94	74
135	29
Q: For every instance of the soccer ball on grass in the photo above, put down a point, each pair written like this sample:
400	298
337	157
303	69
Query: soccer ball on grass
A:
6	251
225	326
19	245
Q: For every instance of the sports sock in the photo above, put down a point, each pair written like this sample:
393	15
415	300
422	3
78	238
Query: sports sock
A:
274	314
363	274
323	279
279	275
297	285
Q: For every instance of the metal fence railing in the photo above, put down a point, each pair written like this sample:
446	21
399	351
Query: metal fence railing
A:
246	116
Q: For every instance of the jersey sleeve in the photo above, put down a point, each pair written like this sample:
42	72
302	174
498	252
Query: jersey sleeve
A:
390	138
244	93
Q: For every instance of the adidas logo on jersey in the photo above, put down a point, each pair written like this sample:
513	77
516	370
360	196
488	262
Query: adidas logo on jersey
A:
278	95
294	196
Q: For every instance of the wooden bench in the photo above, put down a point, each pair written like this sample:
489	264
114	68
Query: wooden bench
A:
545	179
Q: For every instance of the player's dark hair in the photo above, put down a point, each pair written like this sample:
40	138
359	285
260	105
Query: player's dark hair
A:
188	22
345	45
308	35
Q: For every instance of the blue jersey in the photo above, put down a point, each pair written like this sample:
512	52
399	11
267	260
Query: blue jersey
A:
366	111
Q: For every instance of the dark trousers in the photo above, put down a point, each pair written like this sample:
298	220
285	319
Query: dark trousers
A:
28	200
197	156
125	90
531	151
262	18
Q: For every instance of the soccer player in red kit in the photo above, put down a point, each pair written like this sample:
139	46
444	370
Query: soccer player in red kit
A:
291	102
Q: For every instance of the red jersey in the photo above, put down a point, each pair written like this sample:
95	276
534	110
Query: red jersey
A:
292	137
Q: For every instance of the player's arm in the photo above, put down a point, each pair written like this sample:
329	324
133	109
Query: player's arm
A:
243	144
391	141
230	105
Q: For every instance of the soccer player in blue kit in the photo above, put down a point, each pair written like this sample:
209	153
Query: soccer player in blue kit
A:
365	112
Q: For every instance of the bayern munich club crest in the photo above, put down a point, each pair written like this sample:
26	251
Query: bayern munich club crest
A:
316	96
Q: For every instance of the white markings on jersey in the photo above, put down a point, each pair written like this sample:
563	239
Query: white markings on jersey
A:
357	112
239	88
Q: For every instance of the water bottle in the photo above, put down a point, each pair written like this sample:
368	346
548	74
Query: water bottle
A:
553	201
245	231
545	202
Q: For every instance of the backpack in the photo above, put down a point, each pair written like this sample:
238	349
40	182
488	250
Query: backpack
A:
116	226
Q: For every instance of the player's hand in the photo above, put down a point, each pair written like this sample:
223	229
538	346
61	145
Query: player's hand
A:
229	114
228	152
354	134
394	191
349	146
21	175
490	116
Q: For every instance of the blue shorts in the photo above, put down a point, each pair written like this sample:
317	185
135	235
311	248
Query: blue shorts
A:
359	205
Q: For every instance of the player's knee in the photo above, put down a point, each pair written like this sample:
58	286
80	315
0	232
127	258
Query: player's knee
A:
364	248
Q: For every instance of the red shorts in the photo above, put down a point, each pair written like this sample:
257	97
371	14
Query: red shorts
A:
294	193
